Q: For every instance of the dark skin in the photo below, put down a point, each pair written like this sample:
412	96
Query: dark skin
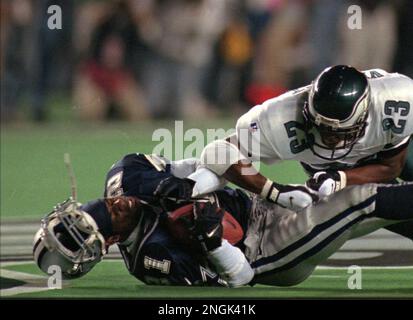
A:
385	170
125	212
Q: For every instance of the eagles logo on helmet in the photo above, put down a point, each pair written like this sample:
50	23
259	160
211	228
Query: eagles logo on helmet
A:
336	111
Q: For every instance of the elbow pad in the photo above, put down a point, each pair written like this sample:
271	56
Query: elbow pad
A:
205	182
219	155
231	264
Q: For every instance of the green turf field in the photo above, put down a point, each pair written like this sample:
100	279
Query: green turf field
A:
110	279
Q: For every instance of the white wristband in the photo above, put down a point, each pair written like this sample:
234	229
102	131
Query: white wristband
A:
343	180
266	189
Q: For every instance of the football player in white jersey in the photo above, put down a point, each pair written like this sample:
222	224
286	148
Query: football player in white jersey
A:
346	128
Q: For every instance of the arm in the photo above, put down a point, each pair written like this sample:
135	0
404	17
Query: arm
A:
224	158
385	170
253	182
229	261
387	167
231	264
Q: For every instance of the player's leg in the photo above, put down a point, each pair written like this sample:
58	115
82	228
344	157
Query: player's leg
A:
392	202
311	236
295	272
405	229
407	173
295	243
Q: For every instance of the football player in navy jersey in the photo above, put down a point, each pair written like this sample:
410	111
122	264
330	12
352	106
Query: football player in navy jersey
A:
279	246
150	252
133	218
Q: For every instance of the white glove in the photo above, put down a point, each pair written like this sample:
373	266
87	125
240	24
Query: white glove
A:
327	182
293	197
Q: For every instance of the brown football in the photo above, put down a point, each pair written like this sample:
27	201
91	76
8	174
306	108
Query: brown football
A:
232	230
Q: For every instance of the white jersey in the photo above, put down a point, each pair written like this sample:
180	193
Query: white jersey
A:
275	129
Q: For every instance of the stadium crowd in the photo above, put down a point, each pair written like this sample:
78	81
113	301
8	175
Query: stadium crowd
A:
147	59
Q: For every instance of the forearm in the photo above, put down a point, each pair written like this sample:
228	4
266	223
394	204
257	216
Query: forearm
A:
236	168
373	173
246	176
231	264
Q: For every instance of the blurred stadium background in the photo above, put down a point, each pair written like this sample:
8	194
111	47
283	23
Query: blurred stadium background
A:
117	70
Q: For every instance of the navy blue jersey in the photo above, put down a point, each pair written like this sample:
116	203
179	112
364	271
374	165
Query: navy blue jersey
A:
134	175
163	261
150	253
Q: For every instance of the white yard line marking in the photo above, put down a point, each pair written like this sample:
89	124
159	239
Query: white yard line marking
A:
23	276
19	290
365	267
33	283
13	263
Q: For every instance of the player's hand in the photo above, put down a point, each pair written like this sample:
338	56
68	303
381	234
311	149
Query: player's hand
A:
293	197
173	190
208	228
174	187
327	182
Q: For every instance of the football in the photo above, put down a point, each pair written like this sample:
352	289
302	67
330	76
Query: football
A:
179	220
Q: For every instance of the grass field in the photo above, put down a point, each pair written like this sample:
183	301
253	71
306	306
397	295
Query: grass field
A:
110	279
34	179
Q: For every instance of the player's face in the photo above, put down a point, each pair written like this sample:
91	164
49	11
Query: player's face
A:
125	213
331	140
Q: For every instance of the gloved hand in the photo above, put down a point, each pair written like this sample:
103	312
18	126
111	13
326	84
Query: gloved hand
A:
327	182
293	197
173	190
208	228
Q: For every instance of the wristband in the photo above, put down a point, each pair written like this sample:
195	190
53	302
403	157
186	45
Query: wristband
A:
343	180
269	191
266	189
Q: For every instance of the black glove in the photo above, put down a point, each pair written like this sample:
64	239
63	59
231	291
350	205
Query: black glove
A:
172	190
327	182
208	228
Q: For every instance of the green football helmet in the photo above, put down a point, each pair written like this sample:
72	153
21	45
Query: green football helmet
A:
336	111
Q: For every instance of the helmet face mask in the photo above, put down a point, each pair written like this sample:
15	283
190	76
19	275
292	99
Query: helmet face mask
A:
69	238
336	112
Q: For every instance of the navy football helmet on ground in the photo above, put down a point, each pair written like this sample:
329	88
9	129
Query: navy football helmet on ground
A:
69	239
336	111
